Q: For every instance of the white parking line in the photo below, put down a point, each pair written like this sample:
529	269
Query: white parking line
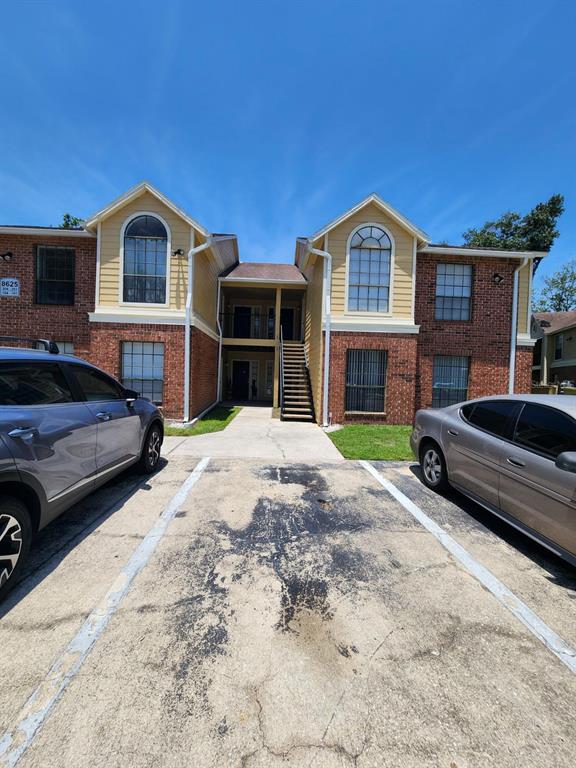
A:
534	623
31	717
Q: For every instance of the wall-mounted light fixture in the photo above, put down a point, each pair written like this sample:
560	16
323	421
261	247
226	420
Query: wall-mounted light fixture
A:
497	279
178	252
6	256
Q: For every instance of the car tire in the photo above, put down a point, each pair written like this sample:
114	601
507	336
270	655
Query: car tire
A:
150	455
15	540
433	466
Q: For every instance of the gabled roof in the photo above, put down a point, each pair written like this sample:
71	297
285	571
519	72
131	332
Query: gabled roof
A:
552	322
135	192
384	206
265	272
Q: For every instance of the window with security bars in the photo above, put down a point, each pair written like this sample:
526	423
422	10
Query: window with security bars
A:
143	368
369	270
55	268
365	380
453	291
145	260
450	380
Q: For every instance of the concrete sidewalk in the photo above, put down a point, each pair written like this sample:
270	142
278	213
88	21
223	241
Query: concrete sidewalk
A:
254	434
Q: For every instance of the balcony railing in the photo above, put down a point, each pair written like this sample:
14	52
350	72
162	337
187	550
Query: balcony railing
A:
247	325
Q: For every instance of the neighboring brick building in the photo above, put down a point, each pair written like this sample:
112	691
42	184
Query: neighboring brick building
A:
411	324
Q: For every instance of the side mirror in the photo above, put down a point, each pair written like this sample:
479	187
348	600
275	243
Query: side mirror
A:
567	461
131	396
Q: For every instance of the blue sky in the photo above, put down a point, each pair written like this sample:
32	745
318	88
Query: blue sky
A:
270	118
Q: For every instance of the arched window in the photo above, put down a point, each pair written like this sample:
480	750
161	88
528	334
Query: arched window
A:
369	270
145	260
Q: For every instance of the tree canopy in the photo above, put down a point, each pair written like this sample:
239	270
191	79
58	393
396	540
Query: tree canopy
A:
70	222
536	231
559	291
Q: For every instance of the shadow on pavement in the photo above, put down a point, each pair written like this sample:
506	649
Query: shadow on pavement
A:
54	542
560	573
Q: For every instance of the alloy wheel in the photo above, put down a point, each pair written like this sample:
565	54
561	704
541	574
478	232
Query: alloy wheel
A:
432	466
154	447
10	546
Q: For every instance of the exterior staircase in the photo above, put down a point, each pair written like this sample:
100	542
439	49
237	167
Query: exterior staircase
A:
297	404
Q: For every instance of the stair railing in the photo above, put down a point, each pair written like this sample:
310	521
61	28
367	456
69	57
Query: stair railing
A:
281	376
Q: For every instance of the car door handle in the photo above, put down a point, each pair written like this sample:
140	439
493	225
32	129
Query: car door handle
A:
104	415
23	432
453	432
515	462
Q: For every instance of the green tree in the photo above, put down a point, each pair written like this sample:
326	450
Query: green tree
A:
70	222
536	231
559	291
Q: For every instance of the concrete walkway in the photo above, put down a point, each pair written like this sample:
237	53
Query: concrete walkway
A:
254	434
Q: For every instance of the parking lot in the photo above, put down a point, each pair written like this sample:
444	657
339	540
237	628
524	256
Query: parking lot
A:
283	614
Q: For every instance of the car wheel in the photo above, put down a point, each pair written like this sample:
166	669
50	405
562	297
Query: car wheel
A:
150	455
433	467
15	539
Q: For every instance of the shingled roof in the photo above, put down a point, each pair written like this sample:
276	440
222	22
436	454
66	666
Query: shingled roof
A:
552	322
266	272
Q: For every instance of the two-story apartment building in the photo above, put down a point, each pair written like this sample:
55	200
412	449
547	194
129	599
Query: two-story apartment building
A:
370	322
555	352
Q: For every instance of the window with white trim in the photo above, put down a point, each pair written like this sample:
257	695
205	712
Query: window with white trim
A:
453	291
369	269
66	347
365	380
449	380
143	368
145	261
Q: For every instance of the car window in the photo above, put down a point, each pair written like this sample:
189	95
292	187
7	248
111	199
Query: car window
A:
96	385
545	430
33	384
490	415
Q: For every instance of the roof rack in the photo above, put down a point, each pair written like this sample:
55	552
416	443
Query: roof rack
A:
49	346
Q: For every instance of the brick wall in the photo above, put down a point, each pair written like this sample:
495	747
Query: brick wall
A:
23	317
204	372
400	375
523	377
485	338
105	352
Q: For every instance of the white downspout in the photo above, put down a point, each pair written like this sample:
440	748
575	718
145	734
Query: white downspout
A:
187	324
512	363
327	293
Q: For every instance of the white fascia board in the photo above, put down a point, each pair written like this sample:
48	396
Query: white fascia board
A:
279	283
46	231
525	340
372	325
569	362
164	317
383	205
493	253
135	192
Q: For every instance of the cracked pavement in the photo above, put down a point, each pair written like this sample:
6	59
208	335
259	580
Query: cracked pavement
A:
293	615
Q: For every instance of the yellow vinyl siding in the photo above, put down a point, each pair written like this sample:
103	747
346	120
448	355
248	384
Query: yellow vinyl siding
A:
401	295
524	298
206	273
313	337
110	277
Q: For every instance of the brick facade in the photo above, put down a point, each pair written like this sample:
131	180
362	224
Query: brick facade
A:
23	317
100	343
401	365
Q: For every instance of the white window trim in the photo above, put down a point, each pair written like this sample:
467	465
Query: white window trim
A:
354	312
127	221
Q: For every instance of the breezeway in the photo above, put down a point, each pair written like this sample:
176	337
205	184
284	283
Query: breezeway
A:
293	613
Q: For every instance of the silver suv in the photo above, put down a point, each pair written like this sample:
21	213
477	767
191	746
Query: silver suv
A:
513	454
66	427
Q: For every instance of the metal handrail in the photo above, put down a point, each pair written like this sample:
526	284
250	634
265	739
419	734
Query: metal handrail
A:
281	374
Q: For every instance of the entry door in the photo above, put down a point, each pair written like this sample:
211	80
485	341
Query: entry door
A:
242	322
287	323
240	379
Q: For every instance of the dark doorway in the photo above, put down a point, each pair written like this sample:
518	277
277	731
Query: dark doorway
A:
287	323
242	322
240	379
